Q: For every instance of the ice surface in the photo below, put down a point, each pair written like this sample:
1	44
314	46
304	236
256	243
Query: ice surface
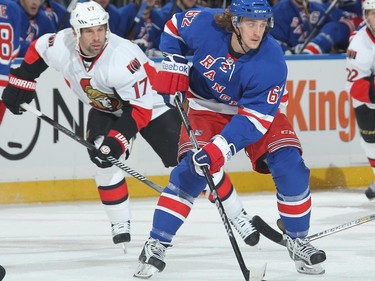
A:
72	242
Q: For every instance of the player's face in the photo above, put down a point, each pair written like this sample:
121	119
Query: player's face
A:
252	32
31	7
92	39
103	3
370	17
189	3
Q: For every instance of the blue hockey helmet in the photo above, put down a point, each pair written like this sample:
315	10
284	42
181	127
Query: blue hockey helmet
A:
254	9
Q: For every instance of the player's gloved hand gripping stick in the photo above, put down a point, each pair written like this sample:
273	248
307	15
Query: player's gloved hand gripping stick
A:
90	146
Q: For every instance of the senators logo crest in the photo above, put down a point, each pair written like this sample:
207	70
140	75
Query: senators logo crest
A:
351	54
134	66
51	40
100	100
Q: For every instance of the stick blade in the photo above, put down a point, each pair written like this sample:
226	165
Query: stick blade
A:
267	230
257	274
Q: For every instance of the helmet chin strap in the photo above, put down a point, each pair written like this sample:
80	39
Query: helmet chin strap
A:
239	38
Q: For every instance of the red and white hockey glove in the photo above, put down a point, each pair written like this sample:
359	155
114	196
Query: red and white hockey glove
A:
114	145
18	91
364	89
173	77
214	155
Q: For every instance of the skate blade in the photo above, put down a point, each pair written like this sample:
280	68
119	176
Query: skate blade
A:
124	247
258	273
316	269
145	271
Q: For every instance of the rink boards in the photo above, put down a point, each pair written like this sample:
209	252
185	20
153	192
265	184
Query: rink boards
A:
40	164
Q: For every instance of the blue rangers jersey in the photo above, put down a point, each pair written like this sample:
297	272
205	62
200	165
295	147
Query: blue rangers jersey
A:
33	27
293	25
10	33
56	12
250	88
146	33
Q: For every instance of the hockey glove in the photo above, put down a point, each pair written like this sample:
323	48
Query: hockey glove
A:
173	77
213	155
297	49
364	89
114	145
18	91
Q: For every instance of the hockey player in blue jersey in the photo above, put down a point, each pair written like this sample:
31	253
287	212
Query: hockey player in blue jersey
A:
235	87
143	25
114	15
10	33
34	23
10	46
57	13
296	19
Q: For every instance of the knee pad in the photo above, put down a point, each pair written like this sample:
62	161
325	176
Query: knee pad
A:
289	172
186	180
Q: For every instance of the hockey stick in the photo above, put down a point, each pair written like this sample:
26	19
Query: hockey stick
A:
318	26
69	9
90	146
131	34
217	200
277	237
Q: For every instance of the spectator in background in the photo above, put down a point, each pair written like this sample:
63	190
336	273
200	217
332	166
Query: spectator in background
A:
296	19
10	34
142	23
34	23
177	6
114	15
56	12
360	66
352	6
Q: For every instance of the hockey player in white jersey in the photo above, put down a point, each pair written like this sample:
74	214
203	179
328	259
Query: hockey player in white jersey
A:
360	66
114	77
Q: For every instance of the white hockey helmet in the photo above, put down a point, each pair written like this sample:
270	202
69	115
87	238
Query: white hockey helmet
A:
88	14
367	5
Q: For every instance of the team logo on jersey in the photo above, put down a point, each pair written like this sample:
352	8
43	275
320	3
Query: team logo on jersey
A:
224	97
51	40
295	22
351	54
134	66
100	100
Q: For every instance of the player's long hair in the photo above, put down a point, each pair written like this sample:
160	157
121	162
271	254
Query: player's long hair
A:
224	20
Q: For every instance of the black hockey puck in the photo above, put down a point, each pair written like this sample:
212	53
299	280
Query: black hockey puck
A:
2	272
369	193
14	144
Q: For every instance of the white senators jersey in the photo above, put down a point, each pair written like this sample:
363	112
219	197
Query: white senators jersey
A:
121	70
360	65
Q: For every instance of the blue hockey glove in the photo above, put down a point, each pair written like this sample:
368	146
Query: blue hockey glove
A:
213	155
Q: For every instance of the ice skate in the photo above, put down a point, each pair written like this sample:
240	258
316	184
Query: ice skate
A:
370	191
121	234
151	259
308	259
242	223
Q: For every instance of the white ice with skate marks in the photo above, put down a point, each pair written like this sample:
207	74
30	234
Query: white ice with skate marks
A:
72	242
